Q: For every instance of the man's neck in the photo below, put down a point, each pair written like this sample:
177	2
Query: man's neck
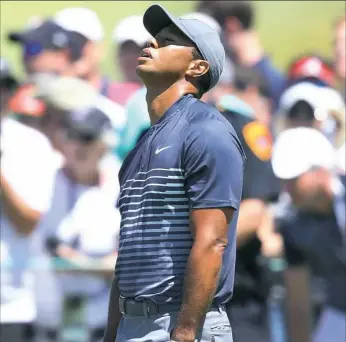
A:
159	100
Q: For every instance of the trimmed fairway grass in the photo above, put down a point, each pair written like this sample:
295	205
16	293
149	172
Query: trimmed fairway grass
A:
287	28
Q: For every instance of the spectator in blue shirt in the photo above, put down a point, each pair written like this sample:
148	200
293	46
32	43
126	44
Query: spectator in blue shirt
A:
180	190
242	43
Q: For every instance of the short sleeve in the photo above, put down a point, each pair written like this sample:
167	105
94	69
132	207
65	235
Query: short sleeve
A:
213	167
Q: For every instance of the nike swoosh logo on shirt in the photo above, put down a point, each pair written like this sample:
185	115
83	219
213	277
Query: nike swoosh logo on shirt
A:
158	150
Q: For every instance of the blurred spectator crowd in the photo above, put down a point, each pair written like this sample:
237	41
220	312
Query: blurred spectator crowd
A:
66	129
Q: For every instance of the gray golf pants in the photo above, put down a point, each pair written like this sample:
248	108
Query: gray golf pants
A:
157	328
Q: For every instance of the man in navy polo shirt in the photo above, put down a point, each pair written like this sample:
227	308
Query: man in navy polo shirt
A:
180	190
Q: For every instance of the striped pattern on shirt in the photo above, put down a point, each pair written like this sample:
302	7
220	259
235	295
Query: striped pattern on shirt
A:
155	238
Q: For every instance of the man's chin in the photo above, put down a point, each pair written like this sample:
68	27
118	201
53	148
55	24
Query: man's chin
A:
143	71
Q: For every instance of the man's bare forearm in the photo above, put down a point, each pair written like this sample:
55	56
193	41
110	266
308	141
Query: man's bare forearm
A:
114	315
298	303
200	284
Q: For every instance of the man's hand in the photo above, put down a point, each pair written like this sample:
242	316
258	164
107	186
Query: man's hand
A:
271	241
209	230
114	315
183	335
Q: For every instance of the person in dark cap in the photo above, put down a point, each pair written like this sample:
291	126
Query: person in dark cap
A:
180	191
66	46
48	48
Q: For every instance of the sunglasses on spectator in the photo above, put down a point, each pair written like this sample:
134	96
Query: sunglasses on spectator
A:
34	48
81	137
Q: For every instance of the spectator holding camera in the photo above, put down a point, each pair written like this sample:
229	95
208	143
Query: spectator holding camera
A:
310	105
313	229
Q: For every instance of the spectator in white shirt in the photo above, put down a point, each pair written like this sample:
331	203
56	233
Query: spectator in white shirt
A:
26	177
82	223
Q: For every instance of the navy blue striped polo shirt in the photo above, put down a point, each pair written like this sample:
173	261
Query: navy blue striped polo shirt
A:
190	159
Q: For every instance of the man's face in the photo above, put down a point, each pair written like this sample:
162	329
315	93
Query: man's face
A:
168	56
340	50
308	190
56	62
127	56
80	157
301	115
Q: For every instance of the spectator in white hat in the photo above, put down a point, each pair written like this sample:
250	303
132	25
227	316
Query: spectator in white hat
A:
310	105
297	151
321	107
85	23
205	18
314	232
129	38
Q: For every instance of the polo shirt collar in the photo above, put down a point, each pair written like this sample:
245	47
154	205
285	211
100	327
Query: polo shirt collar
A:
174	109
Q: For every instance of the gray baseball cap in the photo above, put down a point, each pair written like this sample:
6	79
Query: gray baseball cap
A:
206	39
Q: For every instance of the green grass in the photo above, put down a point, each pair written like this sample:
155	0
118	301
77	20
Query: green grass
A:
287	28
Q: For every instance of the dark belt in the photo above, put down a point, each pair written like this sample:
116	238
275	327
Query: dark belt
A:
146	308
